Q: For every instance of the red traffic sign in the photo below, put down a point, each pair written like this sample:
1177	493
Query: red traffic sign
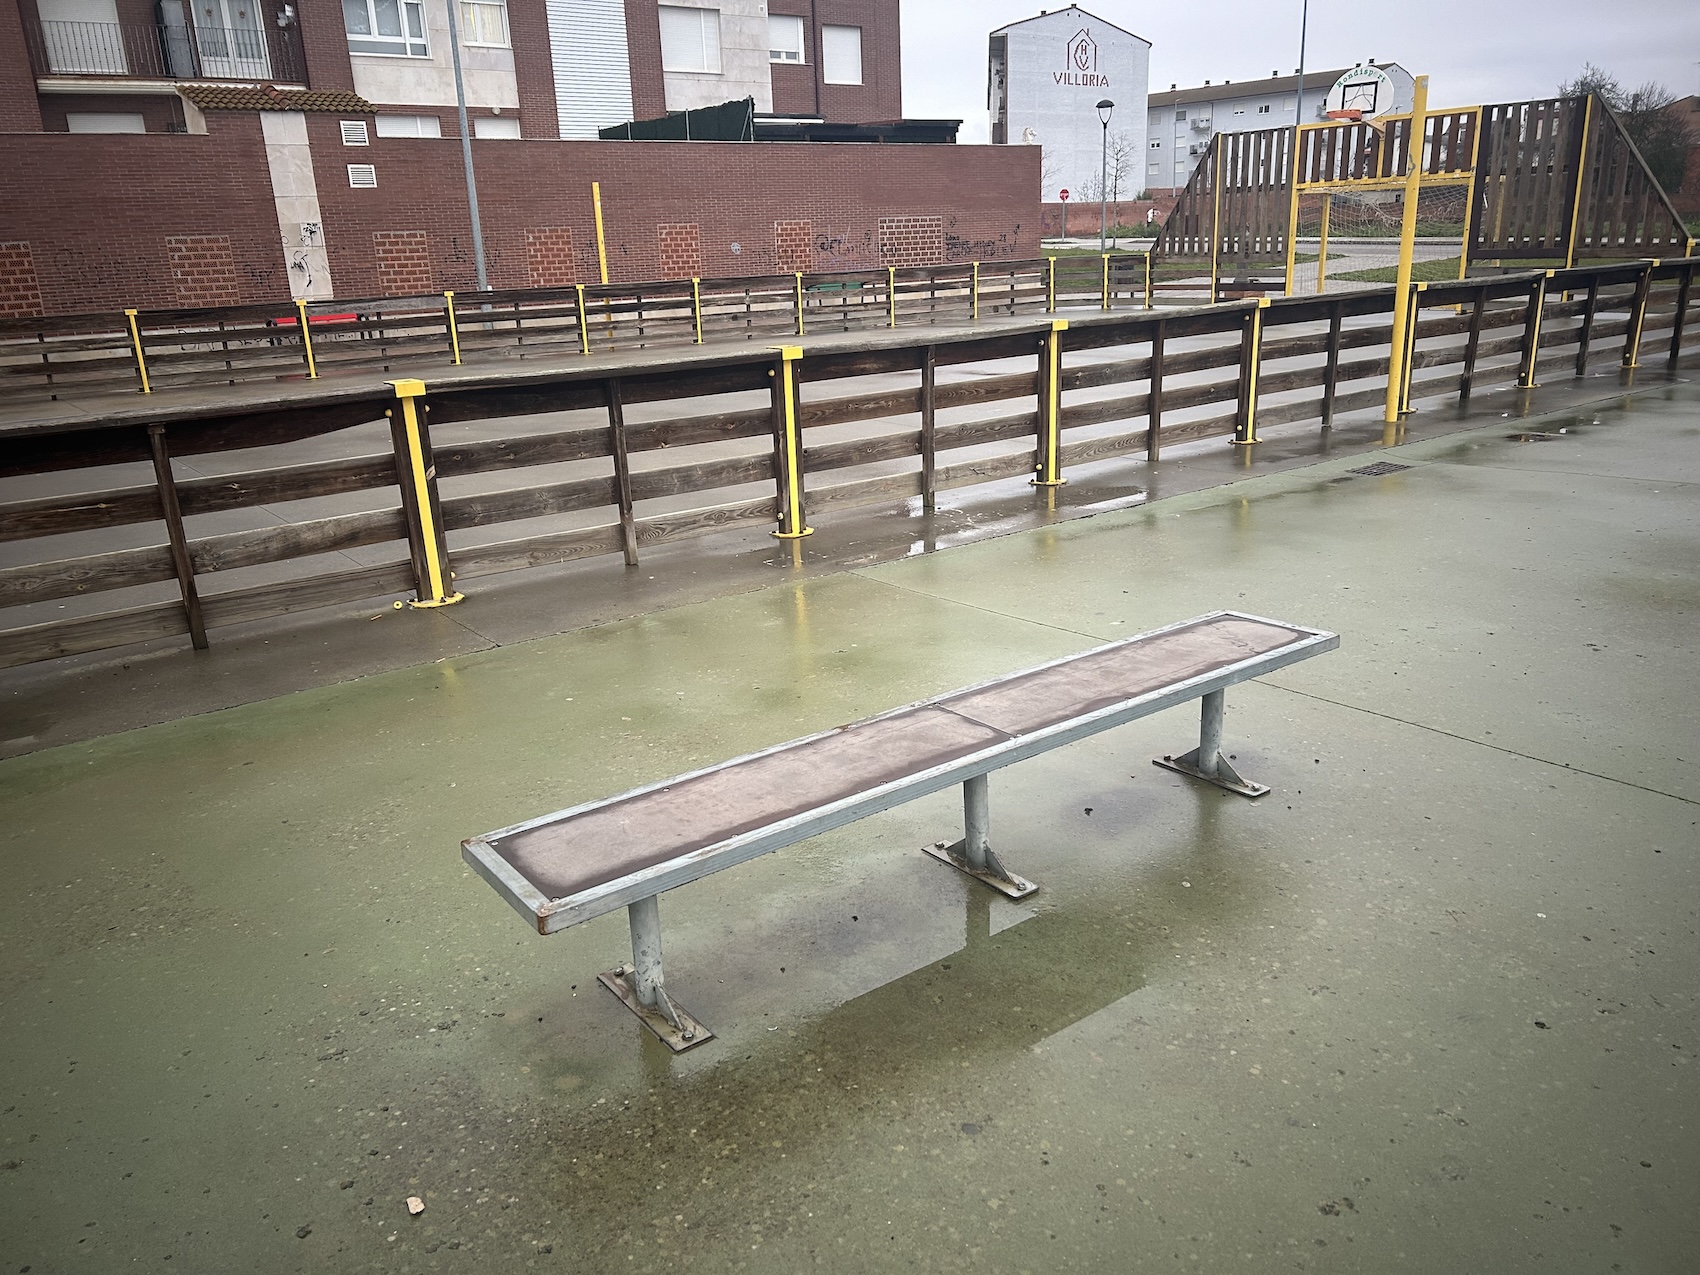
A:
1063	193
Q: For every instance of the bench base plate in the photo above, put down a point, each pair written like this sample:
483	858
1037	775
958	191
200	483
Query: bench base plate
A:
687	1035
1225	777
1013	886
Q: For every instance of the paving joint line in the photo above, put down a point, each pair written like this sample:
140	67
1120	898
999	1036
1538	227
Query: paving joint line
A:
1465	739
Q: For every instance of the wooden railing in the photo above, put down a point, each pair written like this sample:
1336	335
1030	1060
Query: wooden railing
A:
435	485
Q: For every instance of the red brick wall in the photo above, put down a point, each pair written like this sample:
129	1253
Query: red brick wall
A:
643	46
97	210
800	90
794	246
911	241
158	111
20	293
203	270
534	73
550	261
20	110
403	258
1082	215
324	40
679	247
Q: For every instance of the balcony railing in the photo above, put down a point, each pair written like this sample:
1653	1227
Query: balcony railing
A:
157	51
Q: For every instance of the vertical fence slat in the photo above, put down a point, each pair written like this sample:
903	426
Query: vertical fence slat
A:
622	471
172	512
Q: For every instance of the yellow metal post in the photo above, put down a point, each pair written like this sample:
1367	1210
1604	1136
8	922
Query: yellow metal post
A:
1105	304
1050	458
791	521
891	296
974	295
454	331
306	339
1526	376
1216	217
136	345
1248	431
583	322
696	306
1638	319
1322	247
1293	210
1407	247
1051	285
1576	195
430	559
601	239
1411	344
1148	279
799	278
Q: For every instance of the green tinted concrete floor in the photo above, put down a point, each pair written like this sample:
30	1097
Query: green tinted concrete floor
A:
1429	1006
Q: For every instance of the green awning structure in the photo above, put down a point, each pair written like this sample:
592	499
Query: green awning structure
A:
729	122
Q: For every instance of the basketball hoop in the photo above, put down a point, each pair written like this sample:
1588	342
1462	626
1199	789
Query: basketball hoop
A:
1352	116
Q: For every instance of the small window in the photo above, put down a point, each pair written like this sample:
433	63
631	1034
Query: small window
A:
690	40
362	176
409	126
1156	145
841	55
392	27
354	133
484	22
495	126
1288	107
785	38
1239	110
104	122
1180	116
1264	109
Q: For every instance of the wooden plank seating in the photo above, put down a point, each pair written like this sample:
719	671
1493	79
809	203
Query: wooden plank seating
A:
625	851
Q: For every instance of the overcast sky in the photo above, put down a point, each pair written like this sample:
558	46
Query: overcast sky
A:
1472	50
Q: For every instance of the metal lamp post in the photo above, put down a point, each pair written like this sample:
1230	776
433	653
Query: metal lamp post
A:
466	154
1105	107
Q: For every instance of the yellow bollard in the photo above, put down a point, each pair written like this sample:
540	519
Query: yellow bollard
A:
696	306
430	556
1050	457
454	331
306	339
136	344
791	521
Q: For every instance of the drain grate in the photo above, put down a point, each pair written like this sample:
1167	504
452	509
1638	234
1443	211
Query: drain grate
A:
1379	468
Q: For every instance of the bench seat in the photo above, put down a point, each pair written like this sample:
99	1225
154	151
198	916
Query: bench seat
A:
626	850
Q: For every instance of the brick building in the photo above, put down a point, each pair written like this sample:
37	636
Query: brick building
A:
171	154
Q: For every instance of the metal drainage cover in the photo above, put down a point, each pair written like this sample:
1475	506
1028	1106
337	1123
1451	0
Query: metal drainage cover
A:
1378	469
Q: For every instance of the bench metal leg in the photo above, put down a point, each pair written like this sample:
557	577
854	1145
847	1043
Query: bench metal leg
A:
639	985
1206	761
973	854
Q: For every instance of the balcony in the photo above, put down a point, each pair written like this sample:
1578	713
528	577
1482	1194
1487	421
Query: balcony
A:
157	51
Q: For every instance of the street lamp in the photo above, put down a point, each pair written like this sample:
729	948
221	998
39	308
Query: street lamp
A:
1105	106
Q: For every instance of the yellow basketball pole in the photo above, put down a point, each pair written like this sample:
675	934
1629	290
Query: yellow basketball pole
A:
601	239
1216	217
1293	210
1576	196
1322	250
1407	249
1469	205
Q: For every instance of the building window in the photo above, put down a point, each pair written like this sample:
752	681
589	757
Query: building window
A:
1156	145
1239	110
1264	109
785	38
484	22
104	122
392	27
409	126
841	55
690	40
1180	116
495	126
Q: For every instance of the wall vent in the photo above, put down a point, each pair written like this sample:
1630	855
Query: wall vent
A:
362	177
354	133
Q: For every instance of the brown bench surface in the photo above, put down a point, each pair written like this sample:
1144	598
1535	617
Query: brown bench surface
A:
605	841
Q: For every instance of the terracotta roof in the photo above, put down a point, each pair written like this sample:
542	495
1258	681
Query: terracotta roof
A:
268	97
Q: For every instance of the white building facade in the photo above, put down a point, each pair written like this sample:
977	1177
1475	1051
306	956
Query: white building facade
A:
1181	122
1045	78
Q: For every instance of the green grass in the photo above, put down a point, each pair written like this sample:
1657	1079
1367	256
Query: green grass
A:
1443	271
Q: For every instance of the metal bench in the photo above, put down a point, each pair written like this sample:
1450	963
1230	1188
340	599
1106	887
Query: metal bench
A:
625	851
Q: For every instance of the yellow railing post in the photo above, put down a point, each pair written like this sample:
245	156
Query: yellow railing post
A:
454	331
1051	285
136	345
1322	247
1637	318
891	296
792	523
974	294
1148	279
799	277
1246	433
412	441
583	322
1407	248
1532	334
696	306
1469	205
1576	193
1105	304
1293	209
1416	310
306	339
601	239
1216	218
1050	397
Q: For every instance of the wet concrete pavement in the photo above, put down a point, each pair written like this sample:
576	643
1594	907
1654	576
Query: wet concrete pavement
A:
1428	1006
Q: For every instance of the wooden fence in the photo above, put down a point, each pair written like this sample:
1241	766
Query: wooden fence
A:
156	524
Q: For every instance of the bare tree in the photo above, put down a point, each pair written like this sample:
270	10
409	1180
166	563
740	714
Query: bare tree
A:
1657	131
1123	157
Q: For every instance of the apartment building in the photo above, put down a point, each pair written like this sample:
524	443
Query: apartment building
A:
531	68
1181	122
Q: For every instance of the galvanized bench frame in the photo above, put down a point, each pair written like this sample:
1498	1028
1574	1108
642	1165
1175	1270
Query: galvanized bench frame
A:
640	985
